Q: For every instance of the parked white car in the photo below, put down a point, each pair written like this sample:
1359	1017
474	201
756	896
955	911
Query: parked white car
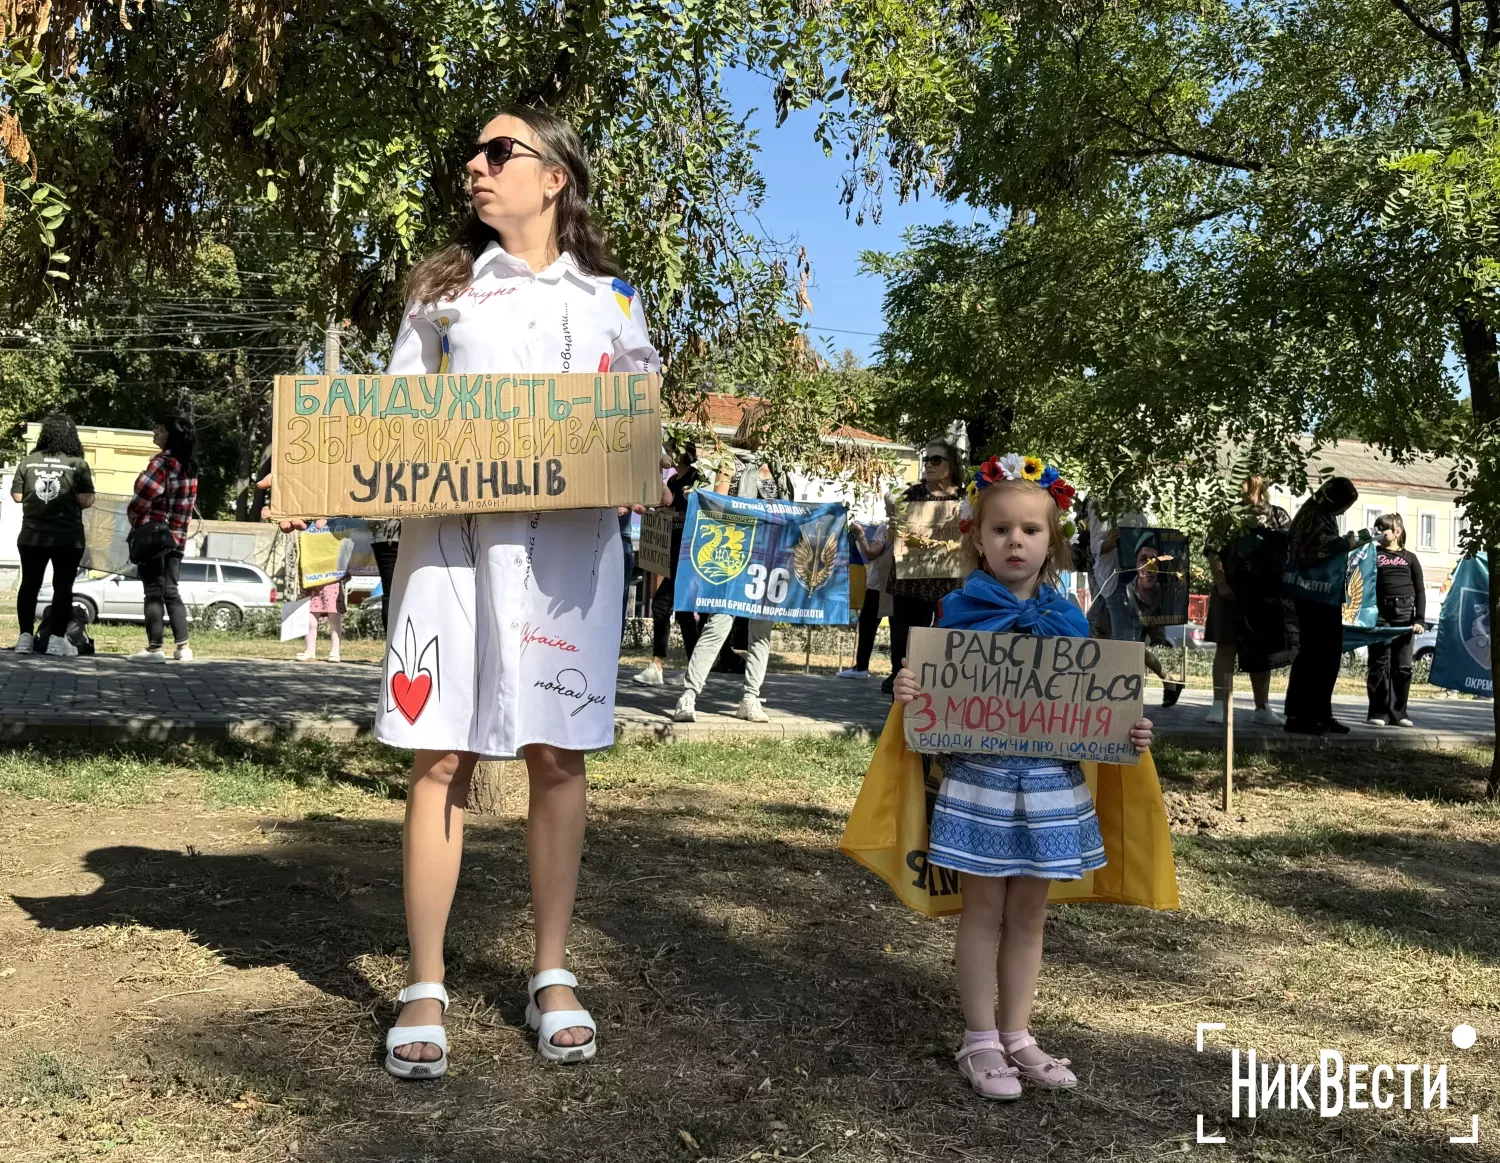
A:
217	593
1424	645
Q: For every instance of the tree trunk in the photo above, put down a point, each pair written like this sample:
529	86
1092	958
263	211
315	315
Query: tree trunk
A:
488	786
1478	339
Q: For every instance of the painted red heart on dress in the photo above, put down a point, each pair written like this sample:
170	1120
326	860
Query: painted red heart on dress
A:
410	694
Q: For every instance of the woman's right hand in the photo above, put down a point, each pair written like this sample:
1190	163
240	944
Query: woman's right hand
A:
905	687
285	526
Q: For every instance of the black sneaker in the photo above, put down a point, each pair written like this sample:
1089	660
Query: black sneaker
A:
1302	727
1170	693
1334	727
888	687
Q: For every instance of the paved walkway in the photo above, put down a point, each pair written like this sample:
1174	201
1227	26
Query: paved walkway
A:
111	697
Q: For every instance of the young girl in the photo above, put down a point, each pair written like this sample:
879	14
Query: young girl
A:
1401	596
1011	824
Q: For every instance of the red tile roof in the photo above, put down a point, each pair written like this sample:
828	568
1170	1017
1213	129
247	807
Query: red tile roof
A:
720	410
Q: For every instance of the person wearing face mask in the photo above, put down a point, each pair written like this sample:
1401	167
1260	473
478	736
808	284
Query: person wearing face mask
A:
1401	598
914	601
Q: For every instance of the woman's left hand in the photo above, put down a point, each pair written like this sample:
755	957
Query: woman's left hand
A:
1140	735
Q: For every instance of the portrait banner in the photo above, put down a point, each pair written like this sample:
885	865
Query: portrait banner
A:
930	542
426	445
780	560
1155	577
1016	694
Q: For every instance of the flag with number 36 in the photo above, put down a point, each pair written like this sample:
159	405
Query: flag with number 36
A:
786	561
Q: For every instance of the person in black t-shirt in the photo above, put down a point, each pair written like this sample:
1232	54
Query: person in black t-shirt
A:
53	485
1402	601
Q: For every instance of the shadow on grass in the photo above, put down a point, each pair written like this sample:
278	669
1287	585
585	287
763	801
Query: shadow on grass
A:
1448	776
754	990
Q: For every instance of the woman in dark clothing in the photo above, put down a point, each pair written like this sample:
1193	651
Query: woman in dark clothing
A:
914	601
1316	541
683	480
54	486
1401	599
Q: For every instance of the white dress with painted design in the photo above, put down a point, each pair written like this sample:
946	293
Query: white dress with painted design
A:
505	627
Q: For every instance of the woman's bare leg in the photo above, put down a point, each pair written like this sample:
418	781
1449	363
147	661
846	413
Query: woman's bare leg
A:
432	845
335	629
1224	672
554	848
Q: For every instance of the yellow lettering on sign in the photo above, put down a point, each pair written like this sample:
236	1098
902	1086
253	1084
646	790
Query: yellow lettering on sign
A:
302	450
331	439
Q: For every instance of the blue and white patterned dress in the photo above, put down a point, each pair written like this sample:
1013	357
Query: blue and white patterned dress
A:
999	815
1014	816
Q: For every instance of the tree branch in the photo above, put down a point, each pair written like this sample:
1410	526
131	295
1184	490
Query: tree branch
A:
1491	30
1165	146
1429	30
1460	53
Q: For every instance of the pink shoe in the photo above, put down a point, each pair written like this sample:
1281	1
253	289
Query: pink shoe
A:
1053	1074
988	1080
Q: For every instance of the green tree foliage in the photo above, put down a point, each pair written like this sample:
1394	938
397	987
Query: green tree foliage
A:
1214	223
132	139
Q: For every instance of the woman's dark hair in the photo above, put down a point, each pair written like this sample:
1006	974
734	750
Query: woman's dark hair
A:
58	436
181	444
955	461
448	272
1395	524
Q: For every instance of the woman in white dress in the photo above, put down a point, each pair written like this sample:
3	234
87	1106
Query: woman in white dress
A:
504	627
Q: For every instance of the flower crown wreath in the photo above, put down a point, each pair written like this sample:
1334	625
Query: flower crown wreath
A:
1014	467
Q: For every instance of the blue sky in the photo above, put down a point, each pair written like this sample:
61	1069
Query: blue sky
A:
802	206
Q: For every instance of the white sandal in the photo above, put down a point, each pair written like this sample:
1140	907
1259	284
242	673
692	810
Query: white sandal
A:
549	1025
409	1068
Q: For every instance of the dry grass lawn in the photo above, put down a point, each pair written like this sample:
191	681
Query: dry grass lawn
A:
198	946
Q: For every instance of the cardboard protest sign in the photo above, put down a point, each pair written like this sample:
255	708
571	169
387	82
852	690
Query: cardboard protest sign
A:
332	549
785	561
930	541
408	446
1154	574
1015	694
655	552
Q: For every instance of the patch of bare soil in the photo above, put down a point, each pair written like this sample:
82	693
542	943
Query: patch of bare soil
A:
193	984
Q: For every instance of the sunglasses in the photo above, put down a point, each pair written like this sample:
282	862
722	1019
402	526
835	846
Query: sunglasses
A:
935	460
499	150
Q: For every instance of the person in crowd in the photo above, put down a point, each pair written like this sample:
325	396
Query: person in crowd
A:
684	478
53	485
504	627
1106	596
874	547
627	550
914	601
385	544
165	494
1011	824
1140	599
327	602
754	480
1223	628
1401	600
1315	542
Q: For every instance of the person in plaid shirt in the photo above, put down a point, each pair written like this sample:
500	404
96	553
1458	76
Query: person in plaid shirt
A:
166	492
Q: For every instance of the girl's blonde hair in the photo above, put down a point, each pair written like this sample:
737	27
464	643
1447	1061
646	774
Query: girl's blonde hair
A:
1059	552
